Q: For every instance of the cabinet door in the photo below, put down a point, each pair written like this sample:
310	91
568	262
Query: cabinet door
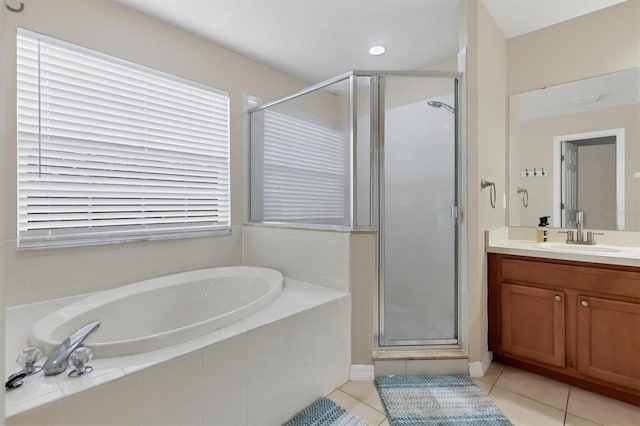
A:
533	324
609	340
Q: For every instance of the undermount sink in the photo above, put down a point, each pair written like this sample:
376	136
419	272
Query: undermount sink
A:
580	249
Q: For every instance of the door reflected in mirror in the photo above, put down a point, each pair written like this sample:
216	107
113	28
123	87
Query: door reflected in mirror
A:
591	169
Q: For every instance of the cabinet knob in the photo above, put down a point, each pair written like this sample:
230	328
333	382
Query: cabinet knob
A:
584	303
557	298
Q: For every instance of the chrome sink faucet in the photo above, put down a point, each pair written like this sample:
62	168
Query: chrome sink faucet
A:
580	233
579	222
59	358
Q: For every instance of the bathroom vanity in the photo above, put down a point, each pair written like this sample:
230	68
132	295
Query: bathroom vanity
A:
571	320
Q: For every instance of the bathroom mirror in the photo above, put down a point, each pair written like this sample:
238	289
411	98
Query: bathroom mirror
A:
576	147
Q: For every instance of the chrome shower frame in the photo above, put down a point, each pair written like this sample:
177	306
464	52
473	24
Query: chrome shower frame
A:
376	196
379	336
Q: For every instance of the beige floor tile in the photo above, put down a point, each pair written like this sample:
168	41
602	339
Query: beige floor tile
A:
572	420
601	409
486	387
533	386
385	423
356	407
492	374
524	411
365	391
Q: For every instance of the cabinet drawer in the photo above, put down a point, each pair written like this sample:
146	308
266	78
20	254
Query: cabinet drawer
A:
597	279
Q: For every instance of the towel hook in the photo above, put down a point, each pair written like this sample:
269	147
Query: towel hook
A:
492	191
525	197
14	9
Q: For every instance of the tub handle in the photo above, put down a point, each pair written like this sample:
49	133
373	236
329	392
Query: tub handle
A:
15	380
78	359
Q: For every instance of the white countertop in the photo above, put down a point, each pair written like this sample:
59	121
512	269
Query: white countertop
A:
498	241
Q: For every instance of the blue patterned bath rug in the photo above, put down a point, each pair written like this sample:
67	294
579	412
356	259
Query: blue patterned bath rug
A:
437	400
325	412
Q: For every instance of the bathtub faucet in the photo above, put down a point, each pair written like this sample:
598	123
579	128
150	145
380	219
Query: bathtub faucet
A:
59	358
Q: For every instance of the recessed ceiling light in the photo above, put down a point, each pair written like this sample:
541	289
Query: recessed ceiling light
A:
377	50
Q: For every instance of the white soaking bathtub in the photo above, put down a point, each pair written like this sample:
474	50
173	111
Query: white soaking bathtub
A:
161	312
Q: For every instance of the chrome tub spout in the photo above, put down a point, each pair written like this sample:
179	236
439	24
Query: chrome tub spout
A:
59	358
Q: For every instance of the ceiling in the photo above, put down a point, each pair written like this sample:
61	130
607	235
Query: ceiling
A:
314	40
517	17
604	91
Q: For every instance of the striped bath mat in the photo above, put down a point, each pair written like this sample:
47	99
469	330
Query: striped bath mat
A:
437	400
325	412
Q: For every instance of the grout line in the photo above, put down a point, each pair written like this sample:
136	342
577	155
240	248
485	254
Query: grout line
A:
493	385
575	415
492	388
530	399
504	367
364	402
587	420
566	406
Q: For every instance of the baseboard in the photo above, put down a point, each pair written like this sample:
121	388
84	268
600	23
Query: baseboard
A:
361	372
478	368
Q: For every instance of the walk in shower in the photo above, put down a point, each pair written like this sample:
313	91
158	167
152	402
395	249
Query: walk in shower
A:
373	150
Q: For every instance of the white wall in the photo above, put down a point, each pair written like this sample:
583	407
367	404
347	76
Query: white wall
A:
3	11
486	78
112	28
364	285
597	43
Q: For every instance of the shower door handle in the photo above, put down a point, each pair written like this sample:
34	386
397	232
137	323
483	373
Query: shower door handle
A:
454	212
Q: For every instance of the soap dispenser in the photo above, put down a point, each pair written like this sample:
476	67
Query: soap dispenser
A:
542	232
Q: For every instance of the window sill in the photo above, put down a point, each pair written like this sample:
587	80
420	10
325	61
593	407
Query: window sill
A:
320	228
131	239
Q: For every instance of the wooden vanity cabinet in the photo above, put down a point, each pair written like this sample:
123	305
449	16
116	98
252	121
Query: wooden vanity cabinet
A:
609	340
576	322
533	323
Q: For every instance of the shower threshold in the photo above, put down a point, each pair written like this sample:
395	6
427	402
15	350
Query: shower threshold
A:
390	354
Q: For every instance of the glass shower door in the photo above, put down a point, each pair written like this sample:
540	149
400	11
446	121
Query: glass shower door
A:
418	227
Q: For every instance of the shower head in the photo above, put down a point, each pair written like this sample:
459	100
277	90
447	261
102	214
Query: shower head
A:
437	104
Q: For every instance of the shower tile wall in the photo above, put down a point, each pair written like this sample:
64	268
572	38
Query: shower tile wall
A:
314	256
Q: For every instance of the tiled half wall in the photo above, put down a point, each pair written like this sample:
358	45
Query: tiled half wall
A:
264	376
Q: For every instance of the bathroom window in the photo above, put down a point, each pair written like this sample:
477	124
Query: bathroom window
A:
303	170
112	151
300	158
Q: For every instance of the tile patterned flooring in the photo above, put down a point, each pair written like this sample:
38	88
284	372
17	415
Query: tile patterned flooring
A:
525	398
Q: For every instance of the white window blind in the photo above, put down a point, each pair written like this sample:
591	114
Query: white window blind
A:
112	151
303	171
